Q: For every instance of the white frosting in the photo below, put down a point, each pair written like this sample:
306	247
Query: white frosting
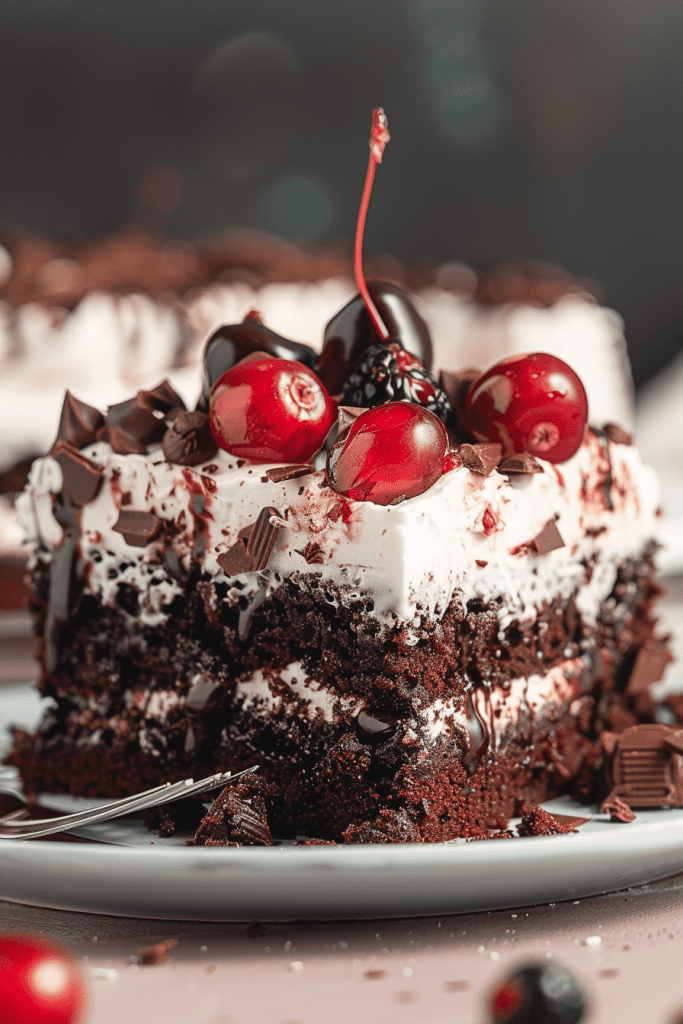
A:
265	694
409	559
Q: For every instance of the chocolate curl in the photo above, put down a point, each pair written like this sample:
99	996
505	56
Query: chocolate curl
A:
254	545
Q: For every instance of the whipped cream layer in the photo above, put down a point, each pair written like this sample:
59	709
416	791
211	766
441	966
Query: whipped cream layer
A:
468	535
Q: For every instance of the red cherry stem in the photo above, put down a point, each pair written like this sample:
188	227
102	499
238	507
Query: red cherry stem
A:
379	136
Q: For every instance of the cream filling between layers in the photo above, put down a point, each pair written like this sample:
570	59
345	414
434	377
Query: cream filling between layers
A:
410	559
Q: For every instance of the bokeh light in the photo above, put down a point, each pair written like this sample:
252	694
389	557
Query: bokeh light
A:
298	207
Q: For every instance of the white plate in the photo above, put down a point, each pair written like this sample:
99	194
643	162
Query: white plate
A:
144	876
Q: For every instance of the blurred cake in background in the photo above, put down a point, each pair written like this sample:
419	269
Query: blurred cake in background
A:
109	316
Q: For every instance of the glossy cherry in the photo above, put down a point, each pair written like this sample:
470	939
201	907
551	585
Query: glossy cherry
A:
533	403
229	344
271	410
350	333
39	983
391	452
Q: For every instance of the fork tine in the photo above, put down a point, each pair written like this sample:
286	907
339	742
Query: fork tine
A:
168	793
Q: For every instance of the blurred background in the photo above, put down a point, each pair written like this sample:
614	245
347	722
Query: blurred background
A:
547	129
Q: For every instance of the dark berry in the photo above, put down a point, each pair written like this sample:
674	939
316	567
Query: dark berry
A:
390	453
271	410
533	403
230	344
387	373
543	993
351	333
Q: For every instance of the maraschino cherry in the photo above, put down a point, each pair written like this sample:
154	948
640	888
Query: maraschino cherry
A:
391	452
270	410
533	403
381	311
230	344
39	983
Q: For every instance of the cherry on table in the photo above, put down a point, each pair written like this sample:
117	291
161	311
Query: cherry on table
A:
270	410
533	403
391	452
39	982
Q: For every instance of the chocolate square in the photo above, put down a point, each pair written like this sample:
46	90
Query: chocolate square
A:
81	478
548	539
138	528
481	458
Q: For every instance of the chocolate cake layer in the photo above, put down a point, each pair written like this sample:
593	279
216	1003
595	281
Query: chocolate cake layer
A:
363	733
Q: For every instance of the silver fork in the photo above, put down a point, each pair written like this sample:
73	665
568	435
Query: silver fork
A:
13	827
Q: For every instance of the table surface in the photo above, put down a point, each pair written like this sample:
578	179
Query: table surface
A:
626	947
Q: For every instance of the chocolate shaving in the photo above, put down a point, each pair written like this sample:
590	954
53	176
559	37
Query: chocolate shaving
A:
162	398
617	434
648	668
122	442
522	463
548	539
138	528
280	473
312	553
238	816
189	441
81	478
481	458
254	544
78	423
617	810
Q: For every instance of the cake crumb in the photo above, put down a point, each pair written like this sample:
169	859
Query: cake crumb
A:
154	956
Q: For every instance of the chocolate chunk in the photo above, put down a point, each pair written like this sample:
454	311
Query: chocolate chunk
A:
189	441
162	398
572	820
536	821
238	815
644	767
279	473
153	956
617	810
457	384
648	668
78	423
138	528
136	420
254	544
481	458
522	463
81	478
617	434
122	442
548	539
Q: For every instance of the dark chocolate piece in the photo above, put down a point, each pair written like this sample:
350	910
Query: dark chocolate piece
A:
351	333
312	553
617	434
81	478
571	820
617	810
522	463
162	398
376	725
154	956
79	422
122	442
481	458
138	528
456	384
648	668
280	473
189	441
548	539
230	344
606	482
238	815
136	420
253	547
644	767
